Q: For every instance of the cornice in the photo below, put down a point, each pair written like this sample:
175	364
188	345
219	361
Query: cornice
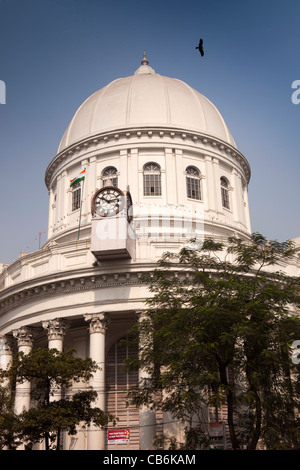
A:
66	282
82	246
63	283
131	135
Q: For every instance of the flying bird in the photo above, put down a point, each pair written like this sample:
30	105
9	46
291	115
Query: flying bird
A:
200	47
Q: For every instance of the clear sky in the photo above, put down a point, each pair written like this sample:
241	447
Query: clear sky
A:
56	53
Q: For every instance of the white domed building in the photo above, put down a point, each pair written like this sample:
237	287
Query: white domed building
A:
161	145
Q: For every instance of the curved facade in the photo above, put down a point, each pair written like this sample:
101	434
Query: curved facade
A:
170	148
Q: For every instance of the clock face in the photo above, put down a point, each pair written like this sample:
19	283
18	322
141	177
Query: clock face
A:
108	201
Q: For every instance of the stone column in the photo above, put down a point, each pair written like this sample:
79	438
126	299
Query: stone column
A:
6	358
6	354
98	324
147	416
24	336
56	332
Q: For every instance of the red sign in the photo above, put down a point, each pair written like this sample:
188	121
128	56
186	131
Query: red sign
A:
118	436
216	429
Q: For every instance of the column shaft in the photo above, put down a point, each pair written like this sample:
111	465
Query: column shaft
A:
147	416
98	325
6	355
56	332
24	338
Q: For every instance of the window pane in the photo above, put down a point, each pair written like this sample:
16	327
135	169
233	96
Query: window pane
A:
225	199
193	183
152	180
76	198
152	185
152	167
224	192
224	182
193	188
110	181
110	177
191	170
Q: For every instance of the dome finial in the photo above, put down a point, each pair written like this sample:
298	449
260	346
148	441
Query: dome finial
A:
144	68
144	61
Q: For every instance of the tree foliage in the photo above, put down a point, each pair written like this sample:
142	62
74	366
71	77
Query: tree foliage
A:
7	419
51	374
218	331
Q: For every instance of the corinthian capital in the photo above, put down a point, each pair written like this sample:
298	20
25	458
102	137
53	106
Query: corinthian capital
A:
98	322
56	328
6	344
24	336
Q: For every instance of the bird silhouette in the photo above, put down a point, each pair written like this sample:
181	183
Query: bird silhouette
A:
200	47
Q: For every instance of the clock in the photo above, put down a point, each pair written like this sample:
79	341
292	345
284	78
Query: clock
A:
108	201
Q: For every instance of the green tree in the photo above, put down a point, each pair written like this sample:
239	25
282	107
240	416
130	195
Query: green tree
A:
218	329
51	372
7	420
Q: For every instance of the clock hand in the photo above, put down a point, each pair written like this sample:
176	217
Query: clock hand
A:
107	200
113	199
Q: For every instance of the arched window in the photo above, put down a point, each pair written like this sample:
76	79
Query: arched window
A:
110	176
193	183
225	192
152	179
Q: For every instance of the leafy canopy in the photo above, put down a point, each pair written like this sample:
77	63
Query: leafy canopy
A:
218	329
51	374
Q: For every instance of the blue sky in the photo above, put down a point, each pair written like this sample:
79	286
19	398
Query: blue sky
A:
55	53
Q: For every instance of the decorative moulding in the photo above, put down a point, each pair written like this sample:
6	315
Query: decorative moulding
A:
147	133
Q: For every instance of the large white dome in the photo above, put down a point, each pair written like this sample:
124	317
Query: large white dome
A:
145	99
